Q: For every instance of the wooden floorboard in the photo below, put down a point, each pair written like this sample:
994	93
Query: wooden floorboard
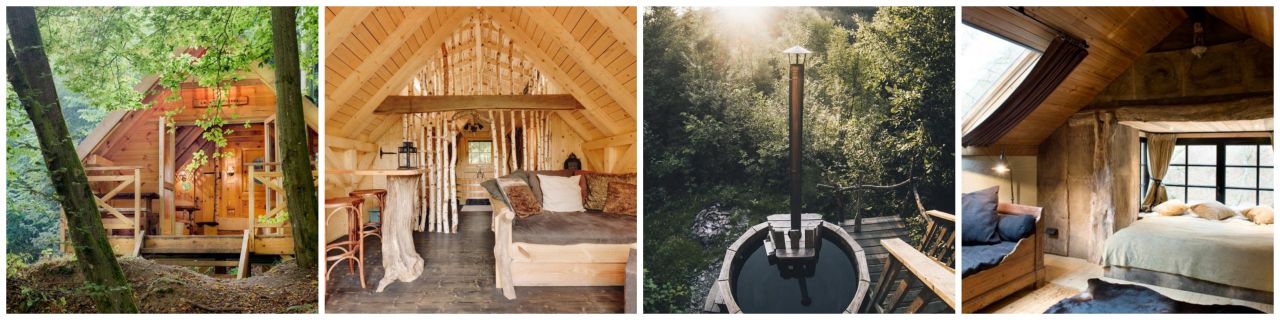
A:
873	230
458	278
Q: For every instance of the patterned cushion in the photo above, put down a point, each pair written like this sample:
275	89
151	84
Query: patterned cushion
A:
622	199
520	196
598	187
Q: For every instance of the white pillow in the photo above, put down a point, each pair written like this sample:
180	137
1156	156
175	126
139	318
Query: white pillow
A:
561	194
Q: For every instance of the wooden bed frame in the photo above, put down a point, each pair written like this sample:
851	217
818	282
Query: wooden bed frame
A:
526	264
1022	268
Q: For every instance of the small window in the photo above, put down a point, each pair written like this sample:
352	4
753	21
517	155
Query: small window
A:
480	152
988	69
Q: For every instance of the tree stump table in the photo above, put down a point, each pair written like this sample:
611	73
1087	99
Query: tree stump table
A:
400	260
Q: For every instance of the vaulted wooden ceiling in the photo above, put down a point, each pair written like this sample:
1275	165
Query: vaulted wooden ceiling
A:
1117	36
376	52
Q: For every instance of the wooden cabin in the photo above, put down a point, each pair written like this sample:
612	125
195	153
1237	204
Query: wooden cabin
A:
1095	119
481	93
226	213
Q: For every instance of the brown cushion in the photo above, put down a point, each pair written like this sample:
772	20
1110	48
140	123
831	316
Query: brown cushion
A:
1212	210
532	178
622	199
598	188
520	196
1260	215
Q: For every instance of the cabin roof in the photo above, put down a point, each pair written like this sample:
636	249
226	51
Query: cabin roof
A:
1117	36
110	126
373	53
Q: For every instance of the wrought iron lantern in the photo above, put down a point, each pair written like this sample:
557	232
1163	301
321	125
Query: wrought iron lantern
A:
572	163
406	155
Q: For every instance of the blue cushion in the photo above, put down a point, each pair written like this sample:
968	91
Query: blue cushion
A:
978	217
1014	227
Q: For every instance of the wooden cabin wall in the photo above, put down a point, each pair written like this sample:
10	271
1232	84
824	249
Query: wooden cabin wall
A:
135	140
976	174
1242	68
1088	183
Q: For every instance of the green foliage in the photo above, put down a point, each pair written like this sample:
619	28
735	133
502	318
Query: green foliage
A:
32	217
278	218
878	109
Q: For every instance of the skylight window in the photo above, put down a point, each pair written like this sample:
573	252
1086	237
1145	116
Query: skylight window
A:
989	69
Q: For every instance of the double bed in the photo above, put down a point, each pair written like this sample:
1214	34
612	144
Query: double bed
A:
1230	258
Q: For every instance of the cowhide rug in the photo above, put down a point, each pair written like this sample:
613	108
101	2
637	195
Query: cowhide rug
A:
1107	297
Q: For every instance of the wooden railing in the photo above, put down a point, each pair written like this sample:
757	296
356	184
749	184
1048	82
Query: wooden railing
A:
939	241
274	202
123	181
936	281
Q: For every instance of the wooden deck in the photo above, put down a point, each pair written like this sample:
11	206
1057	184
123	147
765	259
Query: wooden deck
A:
875	229
201	244
458	278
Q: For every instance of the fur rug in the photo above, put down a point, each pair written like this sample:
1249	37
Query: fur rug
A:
1107	297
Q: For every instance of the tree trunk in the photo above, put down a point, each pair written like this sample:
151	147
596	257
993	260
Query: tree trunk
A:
300	187
33	81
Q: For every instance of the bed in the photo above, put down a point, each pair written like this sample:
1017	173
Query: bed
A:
560	248
998	270
1229	258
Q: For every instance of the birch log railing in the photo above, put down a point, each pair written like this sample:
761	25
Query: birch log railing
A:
890	293
118	220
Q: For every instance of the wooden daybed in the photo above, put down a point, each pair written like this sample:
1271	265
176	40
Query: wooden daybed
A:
1022	268
520	263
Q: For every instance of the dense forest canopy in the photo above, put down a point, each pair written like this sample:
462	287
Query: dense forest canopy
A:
99	54
879	108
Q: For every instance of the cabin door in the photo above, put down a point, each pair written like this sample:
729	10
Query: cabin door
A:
475	165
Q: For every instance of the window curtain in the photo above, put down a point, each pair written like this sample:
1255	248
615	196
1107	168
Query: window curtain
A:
1057	62
1159	154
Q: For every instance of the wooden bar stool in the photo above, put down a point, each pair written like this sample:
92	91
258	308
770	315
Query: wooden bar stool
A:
372	228
352	249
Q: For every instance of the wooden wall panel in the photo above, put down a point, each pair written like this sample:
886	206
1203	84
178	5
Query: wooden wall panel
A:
1052	190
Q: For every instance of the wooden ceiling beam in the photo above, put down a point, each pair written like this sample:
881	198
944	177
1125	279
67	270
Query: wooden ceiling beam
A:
425	52
585	60
340	27
421	104
378	57
543	62
622	28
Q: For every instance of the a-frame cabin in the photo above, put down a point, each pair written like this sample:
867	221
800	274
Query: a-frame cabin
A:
230	212
482	92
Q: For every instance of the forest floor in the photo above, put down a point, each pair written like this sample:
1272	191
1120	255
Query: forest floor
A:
56	286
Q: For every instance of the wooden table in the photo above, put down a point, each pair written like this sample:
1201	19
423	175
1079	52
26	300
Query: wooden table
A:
399	258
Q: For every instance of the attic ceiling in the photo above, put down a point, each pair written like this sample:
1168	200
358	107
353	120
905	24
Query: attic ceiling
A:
1117	36
373	53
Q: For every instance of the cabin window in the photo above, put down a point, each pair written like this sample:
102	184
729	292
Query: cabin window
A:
1235	172
988	69
480	152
